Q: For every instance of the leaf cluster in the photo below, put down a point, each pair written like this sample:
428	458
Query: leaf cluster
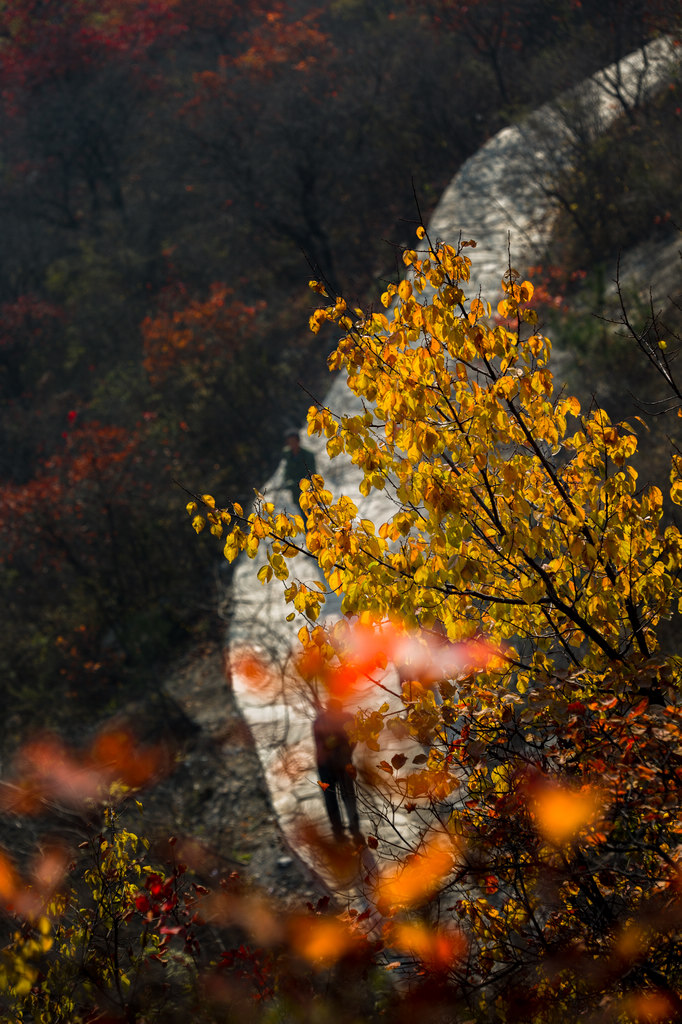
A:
510	515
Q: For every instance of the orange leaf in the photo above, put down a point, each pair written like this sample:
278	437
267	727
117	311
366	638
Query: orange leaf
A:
8	879
437	948
415	881
560	812
322	940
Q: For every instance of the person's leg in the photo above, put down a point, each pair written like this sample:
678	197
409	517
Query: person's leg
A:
347	787
329	782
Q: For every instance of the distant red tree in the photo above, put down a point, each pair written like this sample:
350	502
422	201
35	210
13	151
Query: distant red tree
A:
190	342
72	542
44	40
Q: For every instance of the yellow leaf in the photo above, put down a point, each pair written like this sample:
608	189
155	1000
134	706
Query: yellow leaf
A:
405	290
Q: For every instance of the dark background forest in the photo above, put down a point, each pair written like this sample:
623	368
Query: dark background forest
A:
171	175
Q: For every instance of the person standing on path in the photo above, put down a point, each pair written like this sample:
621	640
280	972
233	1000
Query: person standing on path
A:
299	464
334	754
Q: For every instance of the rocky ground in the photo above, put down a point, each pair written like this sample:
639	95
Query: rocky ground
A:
212	797
216	795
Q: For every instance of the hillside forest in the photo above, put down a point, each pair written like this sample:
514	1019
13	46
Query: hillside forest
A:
172	175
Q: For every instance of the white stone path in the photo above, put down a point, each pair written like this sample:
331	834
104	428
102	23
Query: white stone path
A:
499	197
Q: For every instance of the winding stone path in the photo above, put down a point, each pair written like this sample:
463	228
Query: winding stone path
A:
502	198
502	194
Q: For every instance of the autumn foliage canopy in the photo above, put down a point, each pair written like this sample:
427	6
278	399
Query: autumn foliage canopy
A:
166	164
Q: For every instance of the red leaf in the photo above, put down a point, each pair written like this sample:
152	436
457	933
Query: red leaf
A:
166	929
638	708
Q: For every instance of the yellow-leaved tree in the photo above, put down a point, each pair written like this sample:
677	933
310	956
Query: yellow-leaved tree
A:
515	519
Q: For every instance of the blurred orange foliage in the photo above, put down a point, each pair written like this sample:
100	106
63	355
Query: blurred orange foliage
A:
560	813
321	940
437	948
418	878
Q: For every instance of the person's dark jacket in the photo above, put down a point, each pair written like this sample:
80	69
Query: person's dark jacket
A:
333	749
297	466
